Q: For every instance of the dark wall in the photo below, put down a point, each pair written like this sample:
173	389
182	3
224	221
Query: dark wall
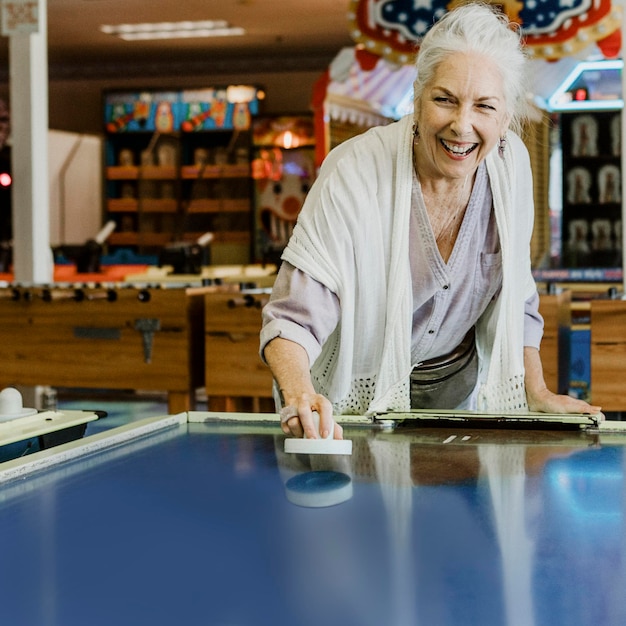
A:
75	90
76	105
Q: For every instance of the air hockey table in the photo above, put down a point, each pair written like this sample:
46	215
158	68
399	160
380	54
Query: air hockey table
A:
203	518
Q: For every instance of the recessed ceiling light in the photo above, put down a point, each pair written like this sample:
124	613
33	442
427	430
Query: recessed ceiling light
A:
173	30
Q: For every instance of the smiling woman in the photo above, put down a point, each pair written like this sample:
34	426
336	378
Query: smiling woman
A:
406	282
459	118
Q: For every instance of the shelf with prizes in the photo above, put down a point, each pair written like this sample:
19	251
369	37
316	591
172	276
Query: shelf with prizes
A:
178	168
592	195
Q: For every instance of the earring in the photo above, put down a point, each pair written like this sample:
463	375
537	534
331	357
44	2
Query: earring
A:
501	146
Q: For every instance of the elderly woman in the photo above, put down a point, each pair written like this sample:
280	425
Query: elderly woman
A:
407	280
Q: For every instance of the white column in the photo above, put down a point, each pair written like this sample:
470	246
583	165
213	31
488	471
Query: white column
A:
623	145
622	5
28	76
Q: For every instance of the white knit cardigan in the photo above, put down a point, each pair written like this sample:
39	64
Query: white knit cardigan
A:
353	236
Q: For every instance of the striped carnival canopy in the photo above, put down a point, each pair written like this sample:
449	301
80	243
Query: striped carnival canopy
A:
552	29
387	88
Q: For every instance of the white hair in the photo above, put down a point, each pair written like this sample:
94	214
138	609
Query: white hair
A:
481	29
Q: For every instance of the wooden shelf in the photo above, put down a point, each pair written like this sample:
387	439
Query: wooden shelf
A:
139	239
222	205
147	205
231	236
147	172
193	172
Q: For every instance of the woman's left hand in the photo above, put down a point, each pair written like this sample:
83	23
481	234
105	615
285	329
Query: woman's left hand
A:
541	399
548	402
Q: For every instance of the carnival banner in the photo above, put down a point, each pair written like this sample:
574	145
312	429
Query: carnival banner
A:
552	29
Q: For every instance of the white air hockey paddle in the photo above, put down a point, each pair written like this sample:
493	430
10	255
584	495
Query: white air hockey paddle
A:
326	445
11	405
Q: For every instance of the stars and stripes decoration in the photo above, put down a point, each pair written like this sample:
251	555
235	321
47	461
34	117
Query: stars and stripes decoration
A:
552	29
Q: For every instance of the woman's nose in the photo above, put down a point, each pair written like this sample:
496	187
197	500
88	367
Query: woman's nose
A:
462	121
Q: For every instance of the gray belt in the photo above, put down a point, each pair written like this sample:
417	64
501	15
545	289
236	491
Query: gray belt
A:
445	381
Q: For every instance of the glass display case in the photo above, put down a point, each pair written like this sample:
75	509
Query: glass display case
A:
585	174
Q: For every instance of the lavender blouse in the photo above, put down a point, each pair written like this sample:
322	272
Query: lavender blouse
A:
448	298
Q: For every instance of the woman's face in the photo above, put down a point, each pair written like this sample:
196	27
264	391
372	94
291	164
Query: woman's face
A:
461	116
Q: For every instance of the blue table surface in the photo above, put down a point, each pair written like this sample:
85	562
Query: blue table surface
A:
192	526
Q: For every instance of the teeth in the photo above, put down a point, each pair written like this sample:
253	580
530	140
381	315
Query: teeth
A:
457	149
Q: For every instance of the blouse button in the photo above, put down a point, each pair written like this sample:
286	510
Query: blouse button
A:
446	286
430	332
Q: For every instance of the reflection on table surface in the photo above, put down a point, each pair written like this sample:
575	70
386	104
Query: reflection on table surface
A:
193	525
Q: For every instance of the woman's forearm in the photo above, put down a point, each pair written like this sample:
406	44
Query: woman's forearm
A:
534	380
289	363
290	367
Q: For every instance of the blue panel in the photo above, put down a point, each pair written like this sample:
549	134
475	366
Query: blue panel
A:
580	364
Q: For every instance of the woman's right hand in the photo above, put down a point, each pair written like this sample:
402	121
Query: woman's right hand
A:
297	420
289	363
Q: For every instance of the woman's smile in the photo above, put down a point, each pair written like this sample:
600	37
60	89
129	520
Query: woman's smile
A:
458	150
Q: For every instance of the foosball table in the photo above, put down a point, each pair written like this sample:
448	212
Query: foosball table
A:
104	337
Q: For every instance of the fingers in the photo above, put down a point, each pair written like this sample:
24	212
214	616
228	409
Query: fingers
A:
311	417
573	405
293	427
290	421
309	425
589	408
326	426
560	403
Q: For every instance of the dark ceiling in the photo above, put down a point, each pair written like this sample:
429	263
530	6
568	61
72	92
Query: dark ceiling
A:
280	34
